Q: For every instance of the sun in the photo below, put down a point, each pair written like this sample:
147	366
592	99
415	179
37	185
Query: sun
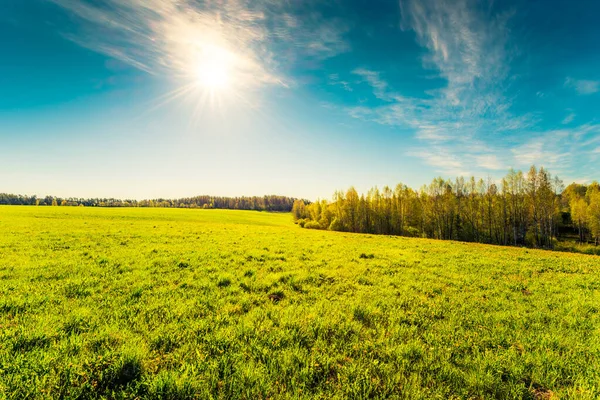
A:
214	69
213	75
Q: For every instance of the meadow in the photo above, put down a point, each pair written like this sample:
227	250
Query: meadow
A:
217	304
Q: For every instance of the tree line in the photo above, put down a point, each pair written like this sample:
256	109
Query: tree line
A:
257	203
522	209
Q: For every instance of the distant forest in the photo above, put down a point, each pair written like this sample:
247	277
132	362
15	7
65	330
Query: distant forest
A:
532	209
264	203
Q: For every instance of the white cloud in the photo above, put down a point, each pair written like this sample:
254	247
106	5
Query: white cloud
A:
560	150
468	123
431	133
374	79
569	118
168	36
540	152
334	80
469	47
489	161
360	112
311	36
466	44
443	161
583	86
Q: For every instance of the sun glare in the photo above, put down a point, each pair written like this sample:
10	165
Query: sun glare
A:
213	75
214	69
213	78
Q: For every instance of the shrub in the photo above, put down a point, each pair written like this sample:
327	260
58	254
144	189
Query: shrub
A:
411	232
336	225
312	225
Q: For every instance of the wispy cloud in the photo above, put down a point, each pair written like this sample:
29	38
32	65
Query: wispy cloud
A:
466	43
312	35
583	86
468	124
569	118
489	161
539	151
562	150
334	79
443	159
261	38
469	49
377	83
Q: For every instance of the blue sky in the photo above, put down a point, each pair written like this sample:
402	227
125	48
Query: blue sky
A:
165	98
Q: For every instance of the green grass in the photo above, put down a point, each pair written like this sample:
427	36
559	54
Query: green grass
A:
173	304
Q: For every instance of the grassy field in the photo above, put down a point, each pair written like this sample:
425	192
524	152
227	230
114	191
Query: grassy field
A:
173	304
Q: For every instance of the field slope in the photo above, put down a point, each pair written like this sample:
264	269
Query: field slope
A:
170	303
